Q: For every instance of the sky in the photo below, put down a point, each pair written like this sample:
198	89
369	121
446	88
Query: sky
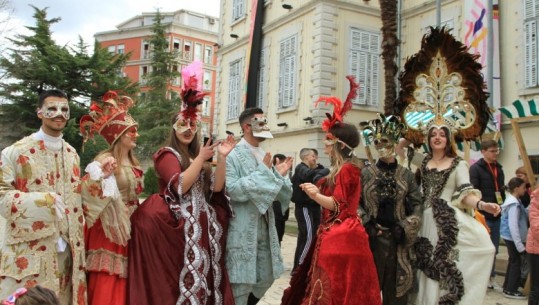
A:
85	18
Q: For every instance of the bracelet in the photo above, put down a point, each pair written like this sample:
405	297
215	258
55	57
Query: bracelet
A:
477	205
481	205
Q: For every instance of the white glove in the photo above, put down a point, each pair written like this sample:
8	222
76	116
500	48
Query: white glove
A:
59	206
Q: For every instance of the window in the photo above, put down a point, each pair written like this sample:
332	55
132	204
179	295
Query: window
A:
287	71
207	80
176	44
186	50
262	79
176	81
198	51
208	51
121	49
112	49
143	74
531	18
364	63
238	9
234	90
145	49
206	106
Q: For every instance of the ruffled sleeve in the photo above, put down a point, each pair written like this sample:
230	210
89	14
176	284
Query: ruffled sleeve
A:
463	187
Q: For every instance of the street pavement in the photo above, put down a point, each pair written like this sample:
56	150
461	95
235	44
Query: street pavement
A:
288	246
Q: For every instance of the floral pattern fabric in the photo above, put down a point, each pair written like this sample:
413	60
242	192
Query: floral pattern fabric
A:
30	176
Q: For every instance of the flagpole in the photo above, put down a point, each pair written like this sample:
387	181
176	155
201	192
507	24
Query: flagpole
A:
490	47
438	12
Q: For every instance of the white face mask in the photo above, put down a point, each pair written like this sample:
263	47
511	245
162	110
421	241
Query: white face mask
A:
181	125
53	109
260	127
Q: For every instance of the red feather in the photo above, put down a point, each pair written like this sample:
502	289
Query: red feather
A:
339	109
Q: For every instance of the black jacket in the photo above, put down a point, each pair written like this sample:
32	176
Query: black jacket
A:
482	179
303	174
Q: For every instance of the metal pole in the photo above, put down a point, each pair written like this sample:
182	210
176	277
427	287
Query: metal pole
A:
490	48
438	12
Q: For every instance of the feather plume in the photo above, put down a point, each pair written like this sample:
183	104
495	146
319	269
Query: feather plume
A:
339	109
457	60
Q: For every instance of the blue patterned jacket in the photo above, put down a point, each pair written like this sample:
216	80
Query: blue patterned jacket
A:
252	188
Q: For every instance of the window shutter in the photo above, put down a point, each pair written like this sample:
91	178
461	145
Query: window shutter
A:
530	45
364	64
262	79
234	90
287	72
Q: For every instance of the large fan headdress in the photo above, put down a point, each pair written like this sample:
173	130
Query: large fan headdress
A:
442	85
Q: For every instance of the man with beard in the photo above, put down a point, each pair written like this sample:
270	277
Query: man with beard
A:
40	200
253	254
391	203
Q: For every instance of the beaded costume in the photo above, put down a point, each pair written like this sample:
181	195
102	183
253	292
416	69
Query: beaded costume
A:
454	251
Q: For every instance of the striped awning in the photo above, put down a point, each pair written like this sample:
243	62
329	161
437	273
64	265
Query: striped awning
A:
520	109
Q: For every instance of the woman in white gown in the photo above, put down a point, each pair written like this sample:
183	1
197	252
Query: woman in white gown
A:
454	251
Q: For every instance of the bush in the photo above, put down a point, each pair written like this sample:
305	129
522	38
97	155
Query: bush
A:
150	182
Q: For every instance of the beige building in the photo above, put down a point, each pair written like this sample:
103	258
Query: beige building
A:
309	47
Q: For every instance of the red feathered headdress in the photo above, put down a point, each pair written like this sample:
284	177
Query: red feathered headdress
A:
339	109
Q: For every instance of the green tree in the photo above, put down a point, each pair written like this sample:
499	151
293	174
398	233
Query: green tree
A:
154	113
35	62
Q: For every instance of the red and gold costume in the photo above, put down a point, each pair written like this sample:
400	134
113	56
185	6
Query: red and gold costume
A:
108	215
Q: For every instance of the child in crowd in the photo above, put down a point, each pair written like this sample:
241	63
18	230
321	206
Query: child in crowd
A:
37	295
514	231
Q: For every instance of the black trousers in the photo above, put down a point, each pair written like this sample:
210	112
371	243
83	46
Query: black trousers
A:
308	218
533	264
385	259
280	219
512	275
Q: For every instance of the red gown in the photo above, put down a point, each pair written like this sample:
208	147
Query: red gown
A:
106	263
177	255
340	268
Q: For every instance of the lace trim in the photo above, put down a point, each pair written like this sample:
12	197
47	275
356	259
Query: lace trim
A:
439	264
106	261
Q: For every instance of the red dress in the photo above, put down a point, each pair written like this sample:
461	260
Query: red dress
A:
106	262
176	252
341	268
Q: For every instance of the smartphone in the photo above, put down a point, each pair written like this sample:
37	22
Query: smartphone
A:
205	141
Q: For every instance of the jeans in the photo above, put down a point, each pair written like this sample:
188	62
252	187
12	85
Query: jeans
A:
494	225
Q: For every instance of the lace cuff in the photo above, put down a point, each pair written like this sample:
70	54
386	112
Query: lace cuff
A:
462	192
94	170
109	185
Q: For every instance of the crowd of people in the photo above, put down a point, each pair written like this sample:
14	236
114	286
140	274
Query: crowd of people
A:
367	233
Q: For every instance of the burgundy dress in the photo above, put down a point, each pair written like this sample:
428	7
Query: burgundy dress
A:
176	252
340	268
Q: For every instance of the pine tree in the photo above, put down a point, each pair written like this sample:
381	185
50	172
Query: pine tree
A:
154	114
35	63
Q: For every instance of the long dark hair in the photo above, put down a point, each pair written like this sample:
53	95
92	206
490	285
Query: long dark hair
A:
188	152
449	150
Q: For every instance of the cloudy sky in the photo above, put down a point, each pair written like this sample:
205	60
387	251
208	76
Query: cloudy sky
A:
87	17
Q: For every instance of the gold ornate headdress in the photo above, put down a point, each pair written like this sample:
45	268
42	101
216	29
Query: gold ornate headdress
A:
442	85
389	127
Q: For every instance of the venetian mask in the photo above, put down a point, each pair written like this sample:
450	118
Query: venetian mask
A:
385	147
53	109
260	127
182	125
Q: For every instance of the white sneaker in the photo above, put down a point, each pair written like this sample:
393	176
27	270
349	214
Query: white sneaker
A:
493	285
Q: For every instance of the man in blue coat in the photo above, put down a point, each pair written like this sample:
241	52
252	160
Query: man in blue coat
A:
253	254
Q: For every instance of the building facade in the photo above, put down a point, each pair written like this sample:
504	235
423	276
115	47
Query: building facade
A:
191	36
310	46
